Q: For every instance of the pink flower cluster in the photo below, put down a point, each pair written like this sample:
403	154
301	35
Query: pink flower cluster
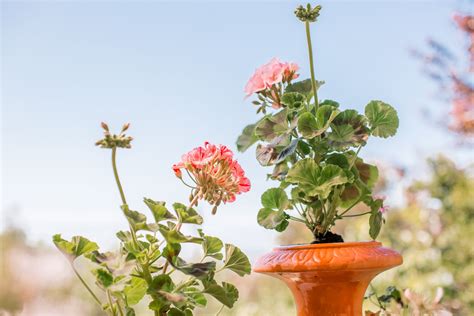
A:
217	176
270	74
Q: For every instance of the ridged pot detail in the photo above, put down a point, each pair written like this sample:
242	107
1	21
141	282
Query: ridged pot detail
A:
328	279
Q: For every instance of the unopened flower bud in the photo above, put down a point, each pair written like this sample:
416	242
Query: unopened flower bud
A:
177	171
125	127
104	126
307	14
214	210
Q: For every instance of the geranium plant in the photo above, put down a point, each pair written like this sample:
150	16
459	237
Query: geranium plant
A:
313	147
148	263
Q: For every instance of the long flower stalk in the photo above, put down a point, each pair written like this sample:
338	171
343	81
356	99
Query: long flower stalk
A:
311	64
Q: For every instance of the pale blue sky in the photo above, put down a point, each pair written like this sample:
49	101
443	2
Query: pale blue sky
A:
176	71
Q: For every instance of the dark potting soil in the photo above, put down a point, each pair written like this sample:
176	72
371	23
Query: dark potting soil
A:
326	238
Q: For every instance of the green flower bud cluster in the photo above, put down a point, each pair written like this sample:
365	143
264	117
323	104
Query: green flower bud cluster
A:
115	141
307	14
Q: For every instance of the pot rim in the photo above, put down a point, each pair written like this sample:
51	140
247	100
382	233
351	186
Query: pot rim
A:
330	257
330	245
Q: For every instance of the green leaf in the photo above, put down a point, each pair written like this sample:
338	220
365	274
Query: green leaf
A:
104	278
311	126
375	222
350	195
236	260
271	219
161	282
369	174
275	198
272	126
348	129
198	270
280	171
175	237
332	103
305	171
211	246
129	311
325	115
171	251
138	220
159	210
316	181
78	246
187	215
247	138
307	125
304	147
175	312
342	135
283	225
195	296
293	100
128	243
268	154
383	118
231	292
135	291
304	87
287	151
116	262
227	294
331	175
159	304
338	160
391	293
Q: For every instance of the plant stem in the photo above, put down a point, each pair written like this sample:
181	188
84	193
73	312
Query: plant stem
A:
376	296
122	194
145	267
85	285
119	307
355	157
311	64
187	184
350	207
220	310
117	179
111	305
298	219
355	215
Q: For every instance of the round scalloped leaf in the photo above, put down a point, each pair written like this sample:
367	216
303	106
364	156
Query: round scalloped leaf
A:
270	219
383	118
276	199
236	260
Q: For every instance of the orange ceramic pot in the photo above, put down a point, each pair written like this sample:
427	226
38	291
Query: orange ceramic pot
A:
328	279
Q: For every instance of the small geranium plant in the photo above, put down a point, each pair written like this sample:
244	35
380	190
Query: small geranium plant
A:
149	261
313	147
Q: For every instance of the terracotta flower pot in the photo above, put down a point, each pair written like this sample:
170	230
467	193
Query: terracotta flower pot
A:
328	279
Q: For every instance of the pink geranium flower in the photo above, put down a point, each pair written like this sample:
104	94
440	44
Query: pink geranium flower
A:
273	72
217	176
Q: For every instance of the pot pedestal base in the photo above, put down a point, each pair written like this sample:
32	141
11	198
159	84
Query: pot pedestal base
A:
328	279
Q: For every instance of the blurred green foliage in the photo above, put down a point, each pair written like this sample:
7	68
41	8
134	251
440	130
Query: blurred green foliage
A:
433	232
